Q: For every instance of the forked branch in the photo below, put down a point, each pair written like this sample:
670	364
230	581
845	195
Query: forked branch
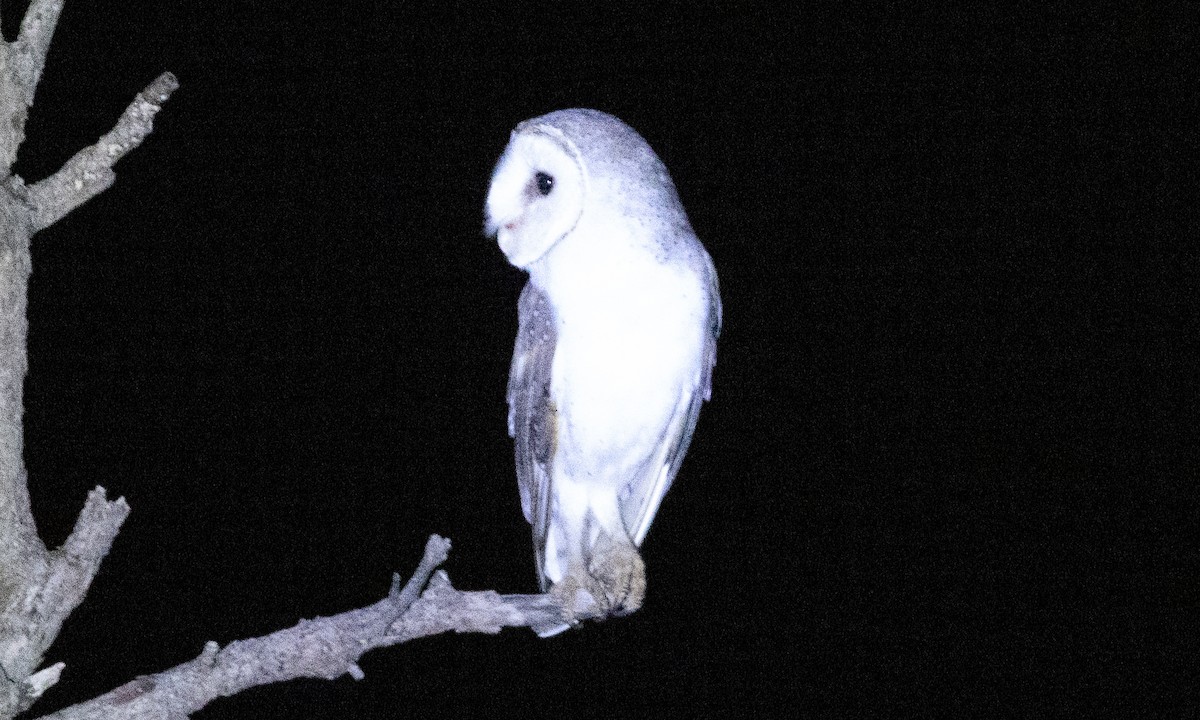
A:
325	647
90	172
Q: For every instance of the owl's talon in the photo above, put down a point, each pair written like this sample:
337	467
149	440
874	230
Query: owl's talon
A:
620	576
564	592
577	599
614	584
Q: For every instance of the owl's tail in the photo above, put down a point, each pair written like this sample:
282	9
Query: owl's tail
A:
550	630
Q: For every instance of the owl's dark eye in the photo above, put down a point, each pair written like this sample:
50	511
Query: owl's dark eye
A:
545	183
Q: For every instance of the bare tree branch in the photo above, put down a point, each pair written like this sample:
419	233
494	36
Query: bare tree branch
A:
37	29
321	648
34	613
13	112
21	64
89	172
73	566
39	589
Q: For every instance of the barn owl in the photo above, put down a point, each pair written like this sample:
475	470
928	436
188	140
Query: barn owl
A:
615	347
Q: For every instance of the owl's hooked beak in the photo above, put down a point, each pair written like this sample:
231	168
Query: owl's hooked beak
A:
492	226
506	238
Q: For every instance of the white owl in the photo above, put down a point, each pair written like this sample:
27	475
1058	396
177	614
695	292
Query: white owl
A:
615	349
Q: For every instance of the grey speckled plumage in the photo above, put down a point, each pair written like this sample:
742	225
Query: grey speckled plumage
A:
531	413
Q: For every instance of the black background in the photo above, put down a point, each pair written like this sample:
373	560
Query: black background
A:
948	467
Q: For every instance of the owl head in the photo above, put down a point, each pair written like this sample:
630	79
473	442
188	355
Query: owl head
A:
571	167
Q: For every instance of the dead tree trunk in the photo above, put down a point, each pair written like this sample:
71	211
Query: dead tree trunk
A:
40	588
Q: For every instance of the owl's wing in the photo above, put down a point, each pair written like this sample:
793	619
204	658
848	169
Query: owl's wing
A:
640	507
531	413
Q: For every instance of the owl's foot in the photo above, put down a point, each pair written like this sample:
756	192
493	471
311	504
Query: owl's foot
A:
613	584
618	578
576	597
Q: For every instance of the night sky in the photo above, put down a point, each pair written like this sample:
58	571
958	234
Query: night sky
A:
946	469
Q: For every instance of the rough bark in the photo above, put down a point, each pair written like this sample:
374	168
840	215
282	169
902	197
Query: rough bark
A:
39	588
321	648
